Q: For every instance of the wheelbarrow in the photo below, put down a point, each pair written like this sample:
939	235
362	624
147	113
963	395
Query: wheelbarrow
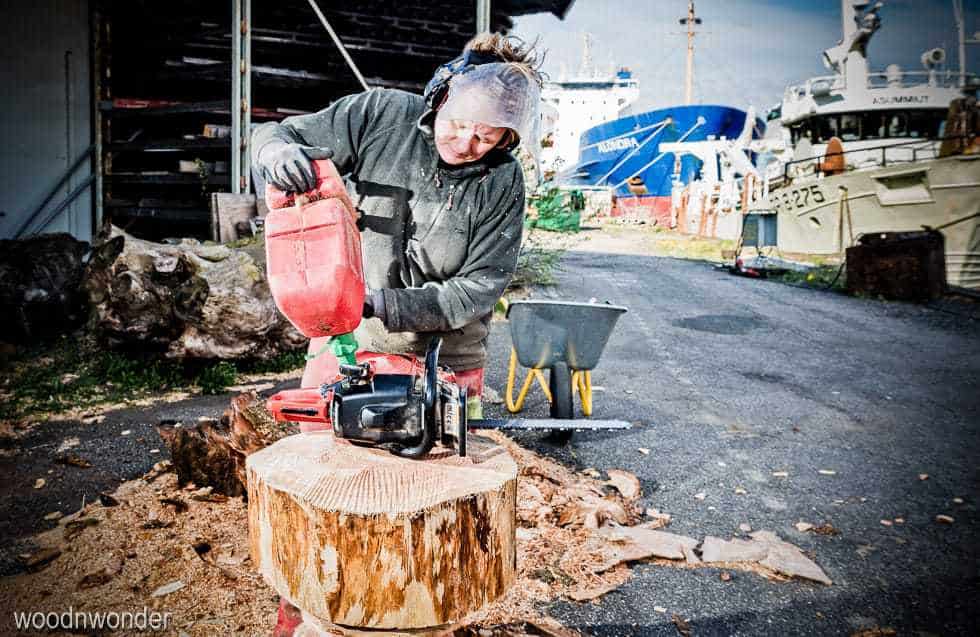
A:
565	338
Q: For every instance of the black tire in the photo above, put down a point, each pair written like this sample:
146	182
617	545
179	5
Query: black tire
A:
562	407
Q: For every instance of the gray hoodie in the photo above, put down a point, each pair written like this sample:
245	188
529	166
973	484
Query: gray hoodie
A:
441	241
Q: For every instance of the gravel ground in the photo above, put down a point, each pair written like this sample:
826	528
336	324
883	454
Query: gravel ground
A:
730	380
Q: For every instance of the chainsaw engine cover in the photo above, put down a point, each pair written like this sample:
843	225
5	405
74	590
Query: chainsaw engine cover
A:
386	408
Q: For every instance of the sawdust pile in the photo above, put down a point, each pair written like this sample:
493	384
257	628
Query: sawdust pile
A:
184	550
124	552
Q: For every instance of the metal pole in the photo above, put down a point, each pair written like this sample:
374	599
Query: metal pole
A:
97	62
689	75
246	107
236	95
482	16
960	39
339	44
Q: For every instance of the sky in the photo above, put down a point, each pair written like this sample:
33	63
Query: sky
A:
748	51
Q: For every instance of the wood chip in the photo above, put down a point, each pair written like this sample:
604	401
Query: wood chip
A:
592	473
54	515
624	482
803	527
74	528
42	558
700	496
957	500
945	519
923	476
886	522
593	592
659	609
72	460
643	450
740	491
166	589
39	483
683	627
780	474
827	472
744	528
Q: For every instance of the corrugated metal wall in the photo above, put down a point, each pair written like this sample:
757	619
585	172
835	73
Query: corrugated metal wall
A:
45	111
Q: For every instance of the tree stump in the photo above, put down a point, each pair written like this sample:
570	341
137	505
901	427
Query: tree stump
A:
359	538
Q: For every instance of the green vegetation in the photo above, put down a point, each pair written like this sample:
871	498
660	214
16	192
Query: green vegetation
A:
69	374
824	276
556	210
536	264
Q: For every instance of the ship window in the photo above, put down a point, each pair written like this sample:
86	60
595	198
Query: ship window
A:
898	125
850	127
926	123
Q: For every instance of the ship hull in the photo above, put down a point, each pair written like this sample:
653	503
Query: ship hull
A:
624	154
940	193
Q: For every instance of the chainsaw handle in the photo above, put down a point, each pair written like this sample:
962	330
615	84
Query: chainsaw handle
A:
430	393
299	405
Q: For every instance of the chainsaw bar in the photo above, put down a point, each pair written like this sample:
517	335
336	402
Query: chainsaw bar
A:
547	424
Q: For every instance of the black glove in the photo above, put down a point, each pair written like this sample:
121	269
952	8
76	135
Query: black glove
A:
374	305
289	167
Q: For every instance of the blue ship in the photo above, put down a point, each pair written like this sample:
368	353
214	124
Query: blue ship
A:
624	154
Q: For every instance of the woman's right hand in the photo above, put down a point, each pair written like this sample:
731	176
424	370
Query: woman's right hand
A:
289	167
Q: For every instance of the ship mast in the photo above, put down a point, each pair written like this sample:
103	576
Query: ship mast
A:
691	20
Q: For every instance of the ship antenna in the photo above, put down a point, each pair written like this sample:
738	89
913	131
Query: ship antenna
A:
690	21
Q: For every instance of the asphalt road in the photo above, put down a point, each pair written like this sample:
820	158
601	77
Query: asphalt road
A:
732	379
729	380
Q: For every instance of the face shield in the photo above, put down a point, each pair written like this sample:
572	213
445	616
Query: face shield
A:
496	94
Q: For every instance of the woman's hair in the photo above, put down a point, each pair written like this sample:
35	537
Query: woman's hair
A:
517	53
511	49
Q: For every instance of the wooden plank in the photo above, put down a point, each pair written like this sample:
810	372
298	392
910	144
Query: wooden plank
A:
227	211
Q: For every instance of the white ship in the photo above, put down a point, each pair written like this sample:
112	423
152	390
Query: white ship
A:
573	104
864	152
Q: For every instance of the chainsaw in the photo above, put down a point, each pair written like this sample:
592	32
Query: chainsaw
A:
408	409
399	402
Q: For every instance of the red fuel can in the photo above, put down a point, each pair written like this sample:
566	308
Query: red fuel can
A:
313	256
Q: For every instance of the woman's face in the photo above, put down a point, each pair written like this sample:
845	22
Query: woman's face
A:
461	141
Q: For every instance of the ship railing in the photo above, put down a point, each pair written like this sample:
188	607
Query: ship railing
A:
912	151
879	79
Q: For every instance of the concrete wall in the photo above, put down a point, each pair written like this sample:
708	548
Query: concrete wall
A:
45	111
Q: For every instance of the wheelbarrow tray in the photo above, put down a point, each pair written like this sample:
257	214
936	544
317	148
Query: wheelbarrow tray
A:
549	332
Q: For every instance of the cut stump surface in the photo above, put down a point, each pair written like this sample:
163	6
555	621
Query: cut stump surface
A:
358	537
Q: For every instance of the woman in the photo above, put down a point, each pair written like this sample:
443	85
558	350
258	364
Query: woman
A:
441	198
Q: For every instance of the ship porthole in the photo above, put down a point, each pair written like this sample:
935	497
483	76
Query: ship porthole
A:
815	222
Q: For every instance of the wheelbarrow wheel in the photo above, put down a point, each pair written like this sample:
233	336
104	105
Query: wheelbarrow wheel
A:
562	407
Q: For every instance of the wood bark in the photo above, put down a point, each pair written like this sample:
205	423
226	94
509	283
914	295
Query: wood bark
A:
190	300
211	453
359	538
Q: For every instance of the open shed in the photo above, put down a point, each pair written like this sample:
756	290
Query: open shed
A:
137	111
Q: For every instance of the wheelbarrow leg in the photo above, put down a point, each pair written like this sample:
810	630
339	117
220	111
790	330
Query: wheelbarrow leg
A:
560	385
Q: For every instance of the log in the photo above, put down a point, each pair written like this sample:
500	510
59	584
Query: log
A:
358	538
40	281
189	300
212	452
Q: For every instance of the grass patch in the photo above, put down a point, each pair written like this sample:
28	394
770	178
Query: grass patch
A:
70	374
823	277
537	262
